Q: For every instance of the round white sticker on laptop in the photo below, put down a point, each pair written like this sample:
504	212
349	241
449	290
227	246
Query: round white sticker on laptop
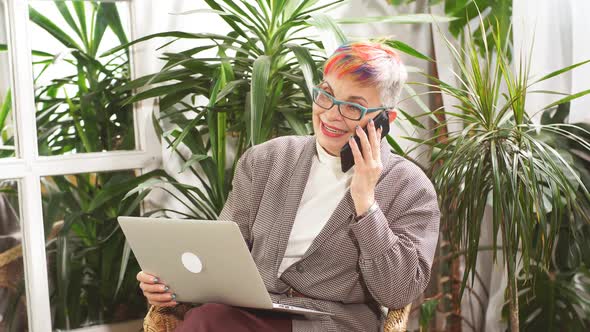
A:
191	262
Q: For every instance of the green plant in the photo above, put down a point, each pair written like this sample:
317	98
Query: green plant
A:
497	159
91	269
555	301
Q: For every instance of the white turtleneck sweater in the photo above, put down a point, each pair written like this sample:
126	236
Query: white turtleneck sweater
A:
325	188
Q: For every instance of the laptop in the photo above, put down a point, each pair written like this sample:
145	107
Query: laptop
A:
202	261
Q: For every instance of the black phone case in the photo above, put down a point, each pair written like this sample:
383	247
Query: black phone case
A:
346	157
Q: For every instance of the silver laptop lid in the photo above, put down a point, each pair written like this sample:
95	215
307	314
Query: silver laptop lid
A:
201	260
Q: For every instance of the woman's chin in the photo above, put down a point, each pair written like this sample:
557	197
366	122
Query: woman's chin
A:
332	145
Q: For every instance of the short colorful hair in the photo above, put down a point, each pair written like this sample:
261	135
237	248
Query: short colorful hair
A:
371	62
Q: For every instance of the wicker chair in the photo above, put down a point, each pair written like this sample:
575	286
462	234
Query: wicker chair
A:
164	319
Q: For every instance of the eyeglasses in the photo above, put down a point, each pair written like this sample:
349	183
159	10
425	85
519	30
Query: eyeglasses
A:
351	111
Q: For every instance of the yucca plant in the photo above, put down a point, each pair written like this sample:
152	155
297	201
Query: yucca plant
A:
498	159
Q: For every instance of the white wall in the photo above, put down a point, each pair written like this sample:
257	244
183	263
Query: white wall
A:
559	30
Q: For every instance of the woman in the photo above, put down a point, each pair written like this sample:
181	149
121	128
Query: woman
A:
345	243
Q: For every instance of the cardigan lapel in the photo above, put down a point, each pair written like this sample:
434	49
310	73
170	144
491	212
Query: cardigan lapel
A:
297	184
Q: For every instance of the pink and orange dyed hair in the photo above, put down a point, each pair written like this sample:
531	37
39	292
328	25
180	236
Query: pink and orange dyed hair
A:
373	63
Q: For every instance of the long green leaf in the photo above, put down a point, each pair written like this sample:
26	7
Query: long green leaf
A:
65	13
5	109
112	191
398	45
201	11
80	9
306	64
123	268
99	29
396	147
111	14
196	158
52	29
189	84
260	76
568	98
561	71
296	124
174	34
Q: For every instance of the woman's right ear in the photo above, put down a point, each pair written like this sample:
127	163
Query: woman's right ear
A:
392	115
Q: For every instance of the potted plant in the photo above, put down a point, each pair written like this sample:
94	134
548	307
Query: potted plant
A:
498	159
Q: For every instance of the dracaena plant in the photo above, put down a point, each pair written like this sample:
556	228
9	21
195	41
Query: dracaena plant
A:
497	158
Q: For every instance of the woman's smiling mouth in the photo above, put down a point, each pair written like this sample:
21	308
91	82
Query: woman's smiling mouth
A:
331	131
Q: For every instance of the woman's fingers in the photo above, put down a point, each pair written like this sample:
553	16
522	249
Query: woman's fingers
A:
373	140
147	278
356	153
365	145
159	297
157	288
156	293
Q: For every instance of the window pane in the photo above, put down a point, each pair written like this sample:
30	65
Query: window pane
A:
7	146
79	108
84	259
13	313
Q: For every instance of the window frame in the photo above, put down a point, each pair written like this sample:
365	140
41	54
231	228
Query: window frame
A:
28	167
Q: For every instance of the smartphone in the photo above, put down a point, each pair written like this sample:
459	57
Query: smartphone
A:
346	157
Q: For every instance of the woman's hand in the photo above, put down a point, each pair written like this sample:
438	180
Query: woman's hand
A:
155	292
367	167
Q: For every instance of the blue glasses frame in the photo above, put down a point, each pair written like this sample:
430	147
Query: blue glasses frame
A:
364	110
